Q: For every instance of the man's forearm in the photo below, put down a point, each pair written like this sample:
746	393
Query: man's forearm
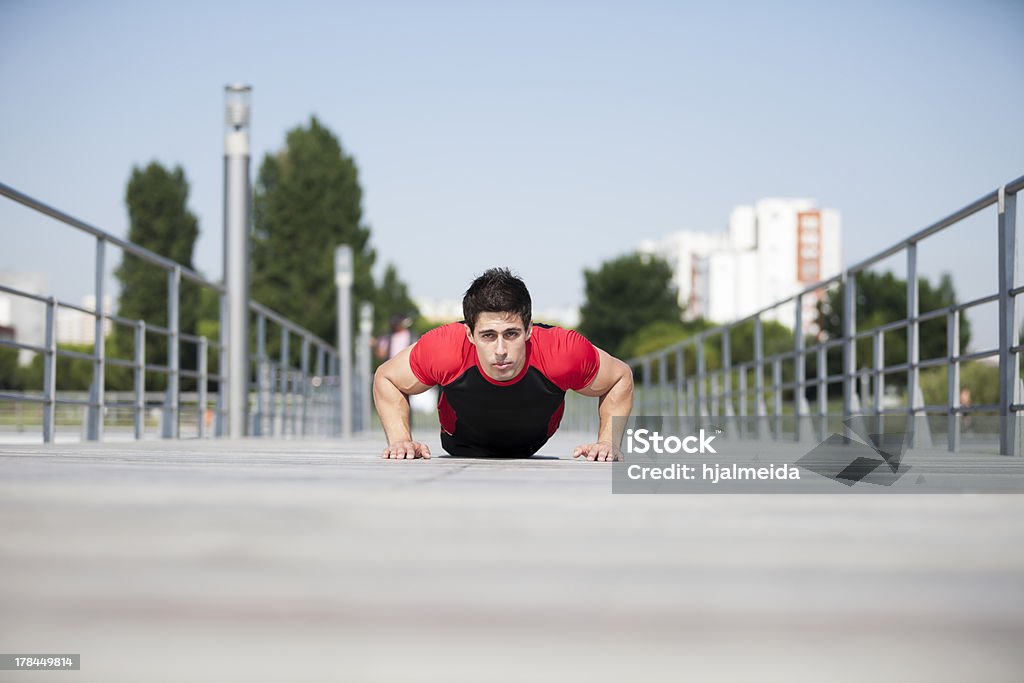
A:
392	408
618	402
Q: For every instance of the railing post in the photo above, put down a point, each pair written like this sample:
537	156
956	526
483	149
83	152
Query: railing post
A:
1009	376
363	357
777	395
222	369
50	372
760	408
201	388
663	384
681	408
822	392
878	380
140	379
97	397
914	398
645	401
285	371
849	344
727	372
800	408
953	379
701	406
305	381
173	407
344	269
319	396
259	426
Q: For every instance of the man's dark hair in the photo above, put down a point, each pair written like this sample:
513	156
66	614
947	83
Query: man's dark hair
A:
497	291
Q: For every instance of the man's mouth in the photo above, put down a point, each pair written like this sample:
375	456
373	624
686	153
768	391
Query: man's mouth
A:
502	365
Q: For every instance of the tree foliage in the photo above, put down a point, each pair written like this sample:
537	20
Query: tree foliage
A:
623	296
392	298
160	221
881	299
307	202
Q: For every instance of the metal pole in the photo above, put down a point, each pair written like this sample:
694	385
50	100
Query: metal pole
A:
646	383
363	355
140	379
237	198
1009	376
953	380
727	372
913	343
50	372
701	378
663	384
283	379
680	371
343	277
203	372
760	409
259	424
879	377
222	368
173	408
304	380
97	398
849	344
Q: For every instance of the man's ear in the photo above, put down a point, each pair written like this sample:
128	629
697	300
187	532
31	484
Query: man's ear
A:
469	333
529	330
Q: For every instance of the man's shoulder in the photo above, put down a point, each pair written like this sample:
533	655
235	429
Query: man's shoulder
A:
440	355
564	356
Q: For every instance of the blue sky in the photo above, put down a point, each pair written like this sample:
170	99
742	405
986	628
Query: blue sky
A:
545	136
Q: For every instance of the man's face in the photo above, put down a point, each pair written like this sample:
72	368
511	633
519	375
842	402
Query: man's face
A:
500	341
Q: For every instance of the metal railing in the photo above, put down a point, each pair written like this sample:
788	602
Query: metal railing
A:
285	398
666	388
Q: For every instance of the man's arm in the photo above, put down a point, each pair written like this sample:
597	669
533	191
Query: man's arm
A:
393	383
613	386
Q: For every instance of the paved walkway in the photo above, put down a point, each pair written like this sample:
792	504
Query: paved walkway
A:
317	561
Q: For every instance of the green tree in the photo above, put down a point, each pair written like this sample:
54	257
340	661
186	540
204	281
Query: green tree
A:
881	299
392	298
307	202
160	221
11	376
623	296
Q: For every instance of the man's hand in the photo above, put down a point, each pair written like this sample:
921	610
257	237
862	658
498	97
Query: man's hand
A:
602	451
406	450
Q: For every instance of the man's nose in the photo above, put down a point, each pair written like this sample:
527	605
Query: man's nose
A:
501	349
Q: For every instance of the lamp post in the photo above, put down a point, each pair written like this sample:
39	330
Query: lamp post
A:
343	277
363	356
237	199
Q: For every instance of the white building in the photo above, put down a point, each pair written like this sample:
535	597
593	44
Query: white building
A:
26	317
771	251
76	327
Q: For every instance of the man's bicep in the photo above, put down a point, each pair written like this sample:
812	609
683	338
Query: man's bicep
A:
610	371
399	372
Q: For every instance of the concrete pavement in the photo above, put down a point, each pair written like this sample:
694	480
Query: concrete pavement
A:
289	560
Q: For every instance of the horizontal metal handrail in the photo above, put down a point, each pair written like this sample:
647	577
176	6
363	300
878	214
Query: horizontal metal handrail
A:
124	245
713	384
303	407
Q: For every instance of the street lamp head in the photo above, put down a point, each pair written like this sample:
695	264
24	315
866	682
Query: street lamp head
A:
343	266
236	100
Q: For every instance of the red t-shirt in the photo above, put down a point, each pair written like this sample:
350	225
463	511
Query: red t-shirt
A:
482	416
